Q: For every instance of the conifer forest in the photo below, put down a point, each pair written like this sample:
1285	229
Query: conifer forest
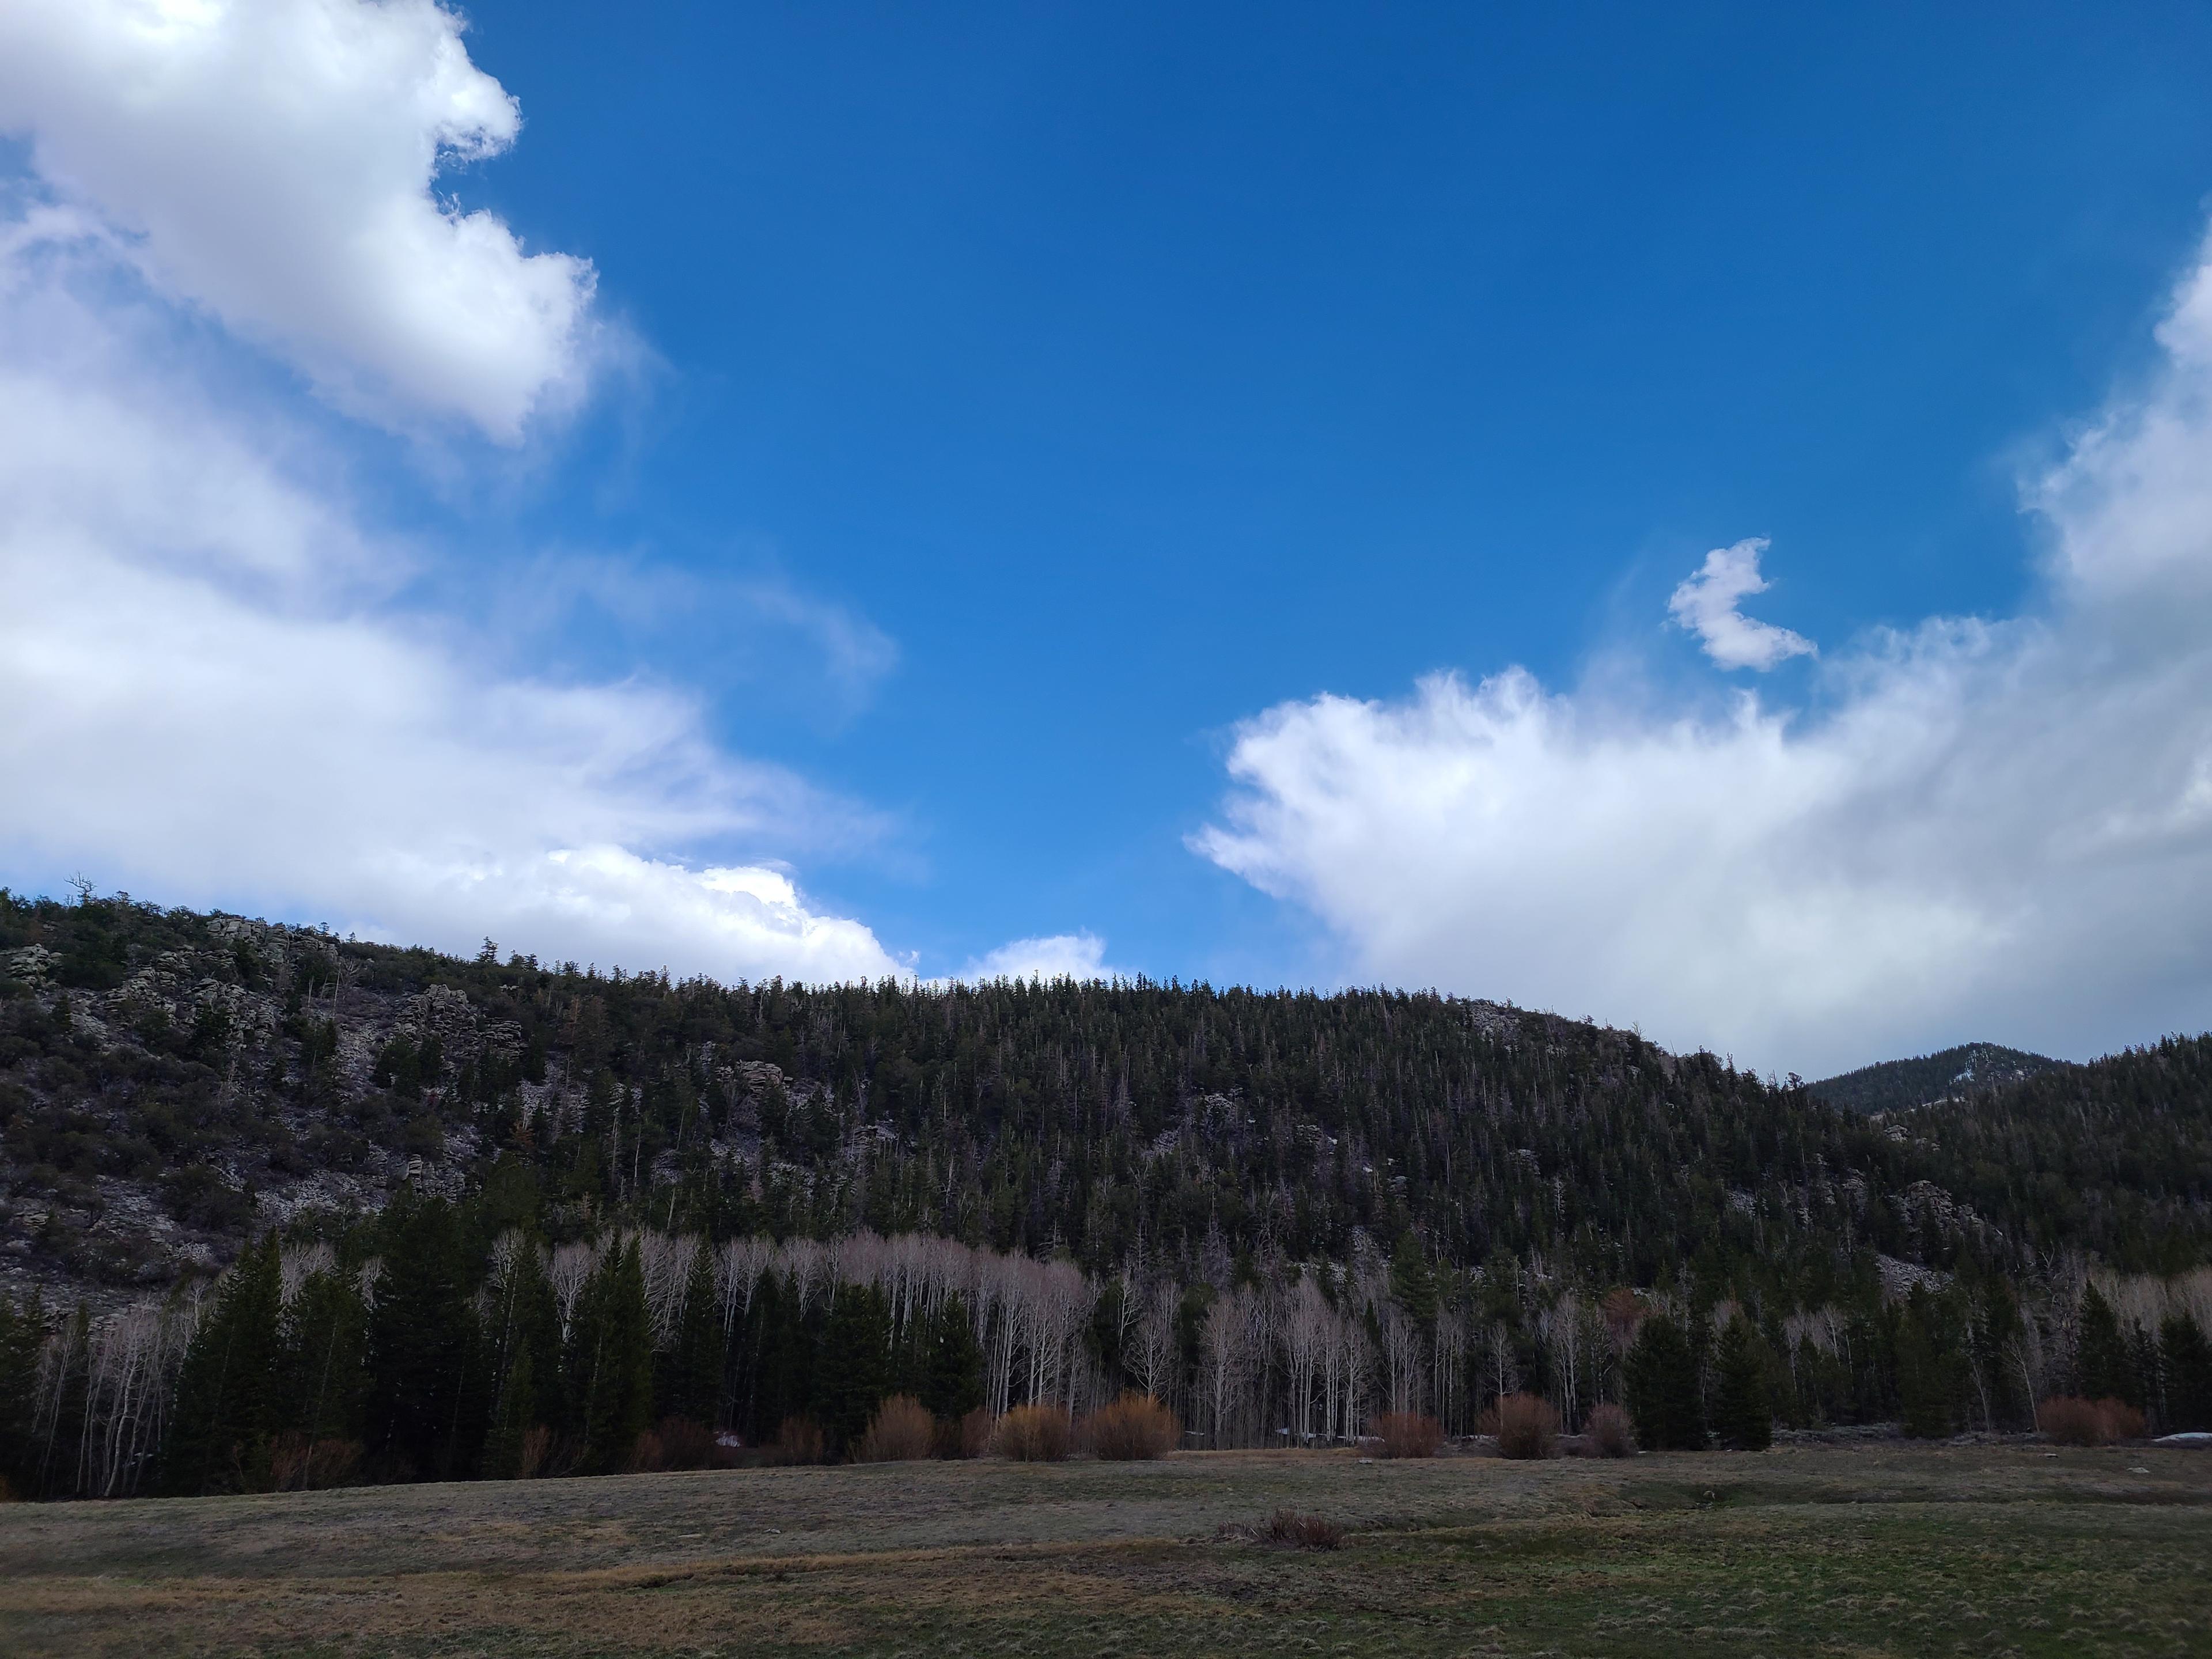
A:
279	1209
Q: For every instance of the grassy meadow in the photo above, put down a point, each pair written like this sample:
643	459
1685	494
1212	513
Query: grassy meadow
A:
1887	1549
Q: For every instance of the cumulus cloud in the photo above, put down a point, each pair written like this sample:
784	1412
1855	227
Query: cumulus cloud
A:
1060	956
1709	604
211	708
1997	828
212	687
276	163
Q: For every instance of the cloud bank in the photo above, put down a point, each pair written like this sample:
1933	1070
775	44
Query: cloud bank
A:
209	687
1976	829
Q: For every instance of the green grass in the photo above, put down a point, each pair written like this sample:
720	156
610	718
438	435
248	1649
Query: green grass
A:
1885	1550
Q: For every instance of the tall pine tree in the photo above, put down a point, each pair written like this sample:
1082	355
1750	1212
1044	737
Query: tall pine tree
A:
224	1415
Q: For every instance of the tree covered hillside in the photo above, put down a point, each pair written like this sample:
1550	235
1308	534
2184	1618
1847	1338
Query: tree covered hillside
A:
170	1082
498	1217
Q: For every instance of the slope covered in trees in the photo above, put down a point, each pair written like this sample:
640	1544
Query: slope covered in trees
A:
490	1216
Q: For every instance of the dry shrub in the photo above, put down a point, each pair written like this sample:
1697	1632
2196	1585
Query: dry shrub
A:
1607	1433
1134	1428
1408	1434
970	1437
1032	1434
537	1450
2072	1421
297	1464
685	1445
1525	1424
7	1492
2122	1421
647	1454
903	1431
798	1441
1288	1529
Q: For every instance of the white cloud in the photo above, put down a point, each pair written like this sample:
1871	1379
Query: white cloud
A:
200	711
1708	605
1998	829
1060	956
211	689
275	163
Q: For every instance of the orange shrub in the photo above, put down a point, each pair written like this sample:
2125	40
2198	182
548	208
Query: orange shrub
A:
1134	1427
295	1464
1525	1424
1408	1434
1607	1433
537	1449
2073	1421
2122	1421
646	1455
1288	1529
1032	1434
971	1436
685	1445
903	1431
798	1441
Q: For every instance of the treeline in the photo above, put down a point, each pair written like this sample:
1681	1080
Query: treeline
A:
400	1353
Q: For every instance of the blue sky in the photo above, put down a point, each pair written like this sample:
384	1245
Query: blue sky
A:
995	413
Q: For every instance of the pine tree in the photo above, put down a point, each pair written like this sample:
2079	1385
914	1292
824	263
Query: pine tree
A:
322	1377
1412	1281
855	1371
952	1380
1743	1412
692	1385
2186	1358
1661	1379
424	1348
224	1414
22	1334
512	1419
610	1362
1930	1370
2102	1366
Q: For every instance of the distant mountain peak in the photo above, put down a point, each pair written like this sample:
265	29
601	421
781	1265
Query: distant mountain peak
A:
1893	1085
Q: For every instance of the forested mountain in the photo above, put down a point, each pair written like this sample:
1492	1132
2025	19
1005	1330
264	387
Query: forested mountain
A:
496	1204
170	1082
1900	1085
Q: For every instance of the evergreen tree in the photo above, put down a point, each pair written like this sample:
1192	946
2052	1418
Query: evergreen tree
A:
1743	1413
1660	1375
952	1380
692	1377
225	1410
1930	1370
22	1334
610	1360
512	1418
322	1376
1412	1281
2186	1359
423	1342
2102	1364
855	1371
